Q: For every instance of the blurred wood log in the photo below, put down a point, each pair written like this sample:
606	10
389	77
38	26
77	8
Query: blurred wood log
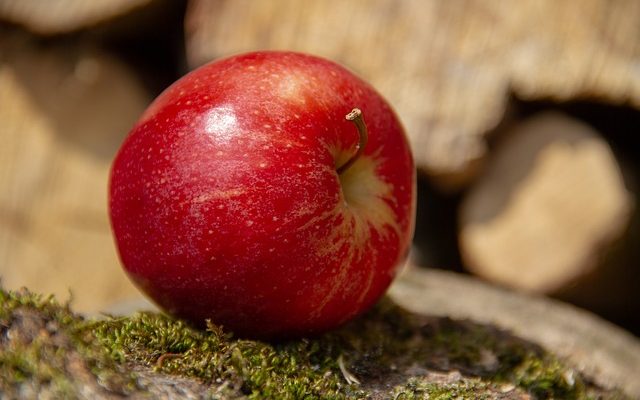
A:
447	66
599	349
612	289
64	112
550	204
52	17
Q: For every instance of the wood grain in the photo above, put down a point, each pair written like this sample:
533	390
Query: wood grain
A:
52	17
548	207
64	113
448	67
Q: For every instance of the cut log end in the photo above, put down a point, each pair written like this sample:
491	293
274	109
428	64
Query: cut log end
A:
64	111
61	16
550	203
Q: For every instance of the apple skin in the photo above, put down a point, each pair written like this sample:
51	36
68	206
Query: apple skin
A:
226	205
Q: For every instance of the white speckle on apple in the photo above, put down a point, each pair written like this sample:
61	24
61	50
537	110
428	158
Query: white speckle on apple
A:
218	195
290	89
221	122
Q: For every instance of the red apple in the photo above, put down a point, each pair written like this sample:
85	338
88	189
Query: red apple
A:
244	196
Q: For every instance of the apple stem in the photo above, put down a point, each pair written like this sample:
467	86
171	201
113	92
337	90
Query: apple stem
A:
355	116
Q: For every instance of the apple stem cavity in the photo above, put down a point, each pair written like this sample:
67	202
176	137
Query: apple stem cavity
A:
355	116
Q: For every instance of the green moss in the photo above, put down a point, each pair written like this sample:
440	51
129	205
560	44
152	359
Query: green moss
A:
386	345
259	370
416	389
41	349
546	377
20	360
23	363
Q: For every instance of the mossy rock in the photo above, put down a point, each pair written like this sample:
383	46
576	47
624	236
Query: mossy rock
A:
47	351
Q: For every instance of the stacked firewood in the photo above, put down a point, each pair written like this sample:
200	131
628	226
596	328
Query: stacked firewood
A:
522	121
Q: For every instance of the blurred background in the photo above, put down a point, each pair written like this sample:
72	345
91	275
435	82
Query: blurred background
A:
524	118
